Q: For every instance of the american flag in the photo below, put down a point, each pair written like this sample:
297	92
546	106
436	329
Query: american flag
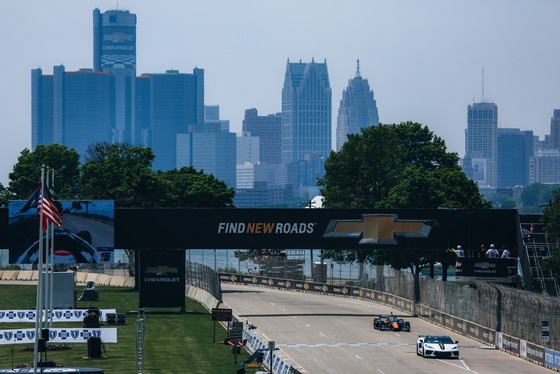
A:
47	205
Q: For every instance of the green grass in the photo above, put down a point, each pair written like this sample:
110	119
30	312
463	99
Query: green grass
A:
174	343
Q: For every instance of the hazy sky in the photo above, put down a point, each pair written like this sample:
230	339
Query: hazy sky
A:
423	59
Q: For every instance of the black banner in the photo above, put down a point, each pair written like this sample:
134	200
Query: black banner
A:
162	278
486	267
225	228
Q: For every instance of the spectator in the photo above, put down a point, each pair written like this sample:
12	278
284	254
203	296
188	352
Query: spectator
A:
460	252
505	252
482	252
542	251
492	252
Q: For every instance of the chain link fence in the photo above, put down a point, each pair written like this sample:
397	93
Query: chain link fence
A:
203	277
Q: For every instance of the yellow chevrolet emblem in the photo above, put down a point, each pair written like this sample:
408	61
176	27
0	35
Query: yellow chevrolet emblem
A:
161	270
378	229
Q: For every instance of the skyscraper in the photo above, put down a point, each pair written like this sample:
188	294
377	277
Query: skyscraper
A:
114	52
357	108
554	139
306	111
515	147
268	130
481	142
74	109
171	102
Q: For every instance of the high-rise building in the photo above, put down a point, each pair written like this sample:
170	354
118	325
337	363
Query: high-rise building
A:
212	115
357	109
74	109
515	147
209	148
554	139
481	138
114	52
248	149
175	101
306	111
544	167
268	129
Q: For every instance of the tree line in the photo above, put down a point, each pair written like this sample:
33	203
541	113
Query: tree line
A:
119	172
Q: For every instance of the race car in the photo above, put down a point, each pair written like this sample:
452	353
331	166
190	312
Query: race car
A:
437	346
69	248
383	323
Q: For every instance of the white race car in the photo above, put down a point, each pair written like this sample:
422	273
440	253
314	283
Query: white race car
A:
437	346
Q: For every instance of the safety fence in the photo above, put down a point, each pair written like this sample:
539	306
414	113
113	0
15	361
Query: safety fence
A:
503	317
201	276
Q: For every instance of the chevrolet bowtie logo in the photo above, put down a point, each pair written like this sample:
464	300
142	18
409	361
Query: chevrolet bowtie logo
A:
162	270
484	265
378	229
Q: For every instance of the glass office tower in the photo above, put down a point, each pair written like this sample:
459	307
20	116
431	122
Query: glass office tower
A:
481	142
74	109
306	112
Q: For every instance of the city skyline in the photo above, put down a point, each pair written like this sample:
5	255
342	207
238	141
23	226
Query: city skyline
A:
423	60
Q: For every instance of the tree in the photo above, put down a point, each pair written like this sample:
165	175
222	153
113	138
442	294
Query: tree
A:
551	220
4	198
120	172
398	166
190	188
441	188
26	174
536	195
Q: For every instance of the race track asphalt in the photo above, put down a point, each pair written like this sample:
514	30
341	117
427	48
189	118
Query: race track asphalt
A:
327	334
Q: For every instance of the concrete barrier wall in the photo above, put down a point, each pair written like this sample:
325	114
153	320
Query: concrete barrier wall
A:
203	297
81	277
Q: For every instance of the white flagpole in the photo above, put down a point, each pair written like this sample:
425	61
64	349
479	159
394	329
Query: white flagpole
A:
39	306
46	258
51	301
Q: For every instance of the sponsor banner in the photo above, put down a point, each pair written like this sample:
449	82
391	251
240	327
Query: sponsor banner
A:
301	286
308	228
499	340
552	359
27	336
162	278
501	268
535	353
228	277
523	348
69	315
449	322
511	344
487	335
473	331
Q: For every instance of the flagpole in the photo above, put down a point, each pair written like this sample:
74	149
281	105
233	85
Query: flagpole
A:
51	301
39	306
46	290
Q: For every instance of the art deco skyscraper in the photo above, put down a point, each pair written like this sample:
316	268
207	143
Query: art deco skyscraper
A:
481	142
306	112
114	52
357	108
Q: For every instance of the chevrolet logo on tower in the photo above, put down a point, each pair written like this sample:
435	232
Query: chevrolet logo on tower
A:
162	278
378	229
